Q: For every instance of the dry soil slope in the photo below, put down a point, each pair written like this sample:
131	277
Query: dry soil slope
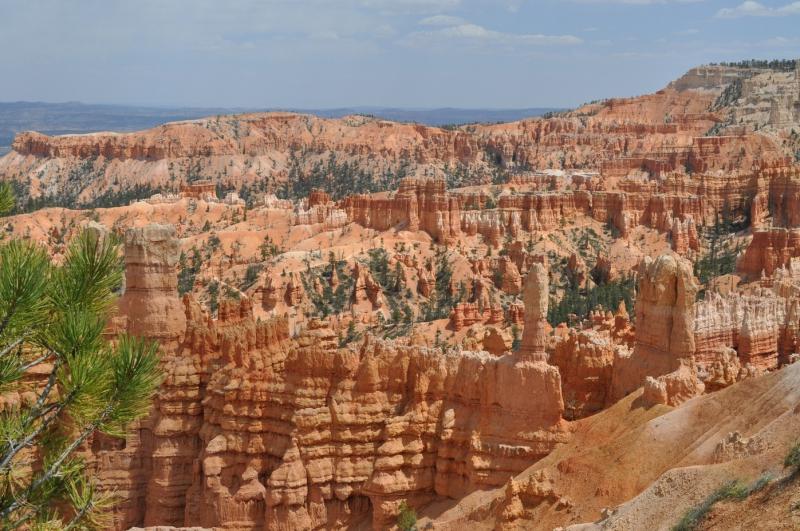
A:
659	459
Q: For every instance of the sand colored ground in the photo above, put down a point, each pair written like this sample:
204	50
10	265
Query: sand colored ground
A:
651	465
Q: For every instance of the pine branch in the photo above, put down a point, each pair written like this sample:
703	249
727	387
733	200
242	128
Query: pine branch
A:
56	465
38	411
16	447
12	346
80	515
9	315
36	362
51	381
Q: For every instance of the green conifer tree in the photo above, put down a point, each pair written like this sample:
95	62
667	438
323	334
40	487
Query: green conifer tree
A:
56	314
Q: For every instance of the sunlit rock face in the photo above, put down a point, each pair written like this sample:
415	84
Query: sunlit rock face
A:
269	417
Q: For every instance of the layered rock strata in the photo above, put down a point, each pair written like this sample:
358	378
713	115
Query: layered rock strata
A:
664	324
254	429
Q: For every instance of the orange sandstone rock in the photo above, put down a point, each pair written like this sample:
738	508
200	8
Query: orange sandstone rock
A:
664	324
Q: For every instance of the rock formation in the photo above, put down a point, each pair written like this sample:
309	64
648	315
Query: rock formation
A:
271	417
674	388
417	205
770	249
254	429
661	134
664	324
536	297
149	304
585	361
366	291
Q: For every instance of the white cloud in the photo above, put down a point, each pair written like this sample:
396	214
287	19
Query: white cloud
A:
442	20
750	8
473	33
638	2
779	42
325	36
411	6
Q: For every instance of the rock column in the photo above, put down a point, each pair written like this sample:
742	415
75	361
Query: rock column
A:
150	304
535	296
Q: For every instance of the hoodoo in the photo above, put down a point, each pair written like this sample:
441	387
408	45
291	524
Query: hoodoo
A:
585	320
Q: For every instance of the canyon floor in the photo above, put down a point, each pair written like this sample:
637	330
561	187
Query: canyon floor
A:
588	320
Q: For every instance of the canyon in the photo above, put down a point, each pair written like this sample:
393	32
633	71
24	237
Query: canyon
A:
586	321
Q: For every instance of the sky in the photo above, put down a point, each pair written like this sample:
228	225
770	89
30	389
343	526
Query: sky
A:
387	53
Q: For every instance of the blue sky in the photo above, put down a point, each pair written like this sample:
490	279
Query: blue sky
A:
405	53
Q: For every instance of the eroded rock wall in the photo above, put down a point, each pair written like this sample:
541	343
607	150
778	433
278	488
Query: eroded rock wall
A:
254	429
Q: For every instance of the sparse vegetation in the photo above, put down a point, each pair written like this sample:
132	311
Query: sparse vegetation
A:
337	178
187	272
328	300
695	515
580	302
268	248
720	259
792	459
251	275
733	490
779	65
729	96
401	315
406	518
442	298
350	336
213	296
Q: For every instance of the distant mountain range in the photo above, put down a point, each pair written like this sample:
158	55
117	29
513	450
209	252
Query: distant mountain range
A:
73	117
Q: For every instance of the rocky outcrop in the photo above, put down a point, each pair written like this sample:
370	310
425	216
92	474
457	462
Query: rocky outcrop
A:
418	205
725	369
522	495
536	298
366	291
675	203
656	135
664	324
149	308
496	341
684	236
150	305
585	361
675	388
751	323
254	429
736	446
466	314
770	249
426	282
293	290
510	279
318	209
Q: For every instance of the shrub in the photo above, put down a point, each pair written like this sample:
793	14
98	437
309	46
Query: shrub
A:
792	459
760	483
732	490
251	275
407	518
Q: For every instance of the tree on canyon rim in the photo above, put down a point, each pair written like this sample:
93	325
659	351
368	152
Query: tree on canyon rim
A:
52	318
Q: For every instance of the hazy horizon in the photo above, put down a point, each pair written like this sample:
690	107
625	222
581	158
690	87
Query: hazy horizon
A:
324	54
76	117
276	109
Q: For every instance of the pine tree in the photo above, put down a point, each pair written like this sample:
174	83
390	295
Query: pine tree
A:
56	315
